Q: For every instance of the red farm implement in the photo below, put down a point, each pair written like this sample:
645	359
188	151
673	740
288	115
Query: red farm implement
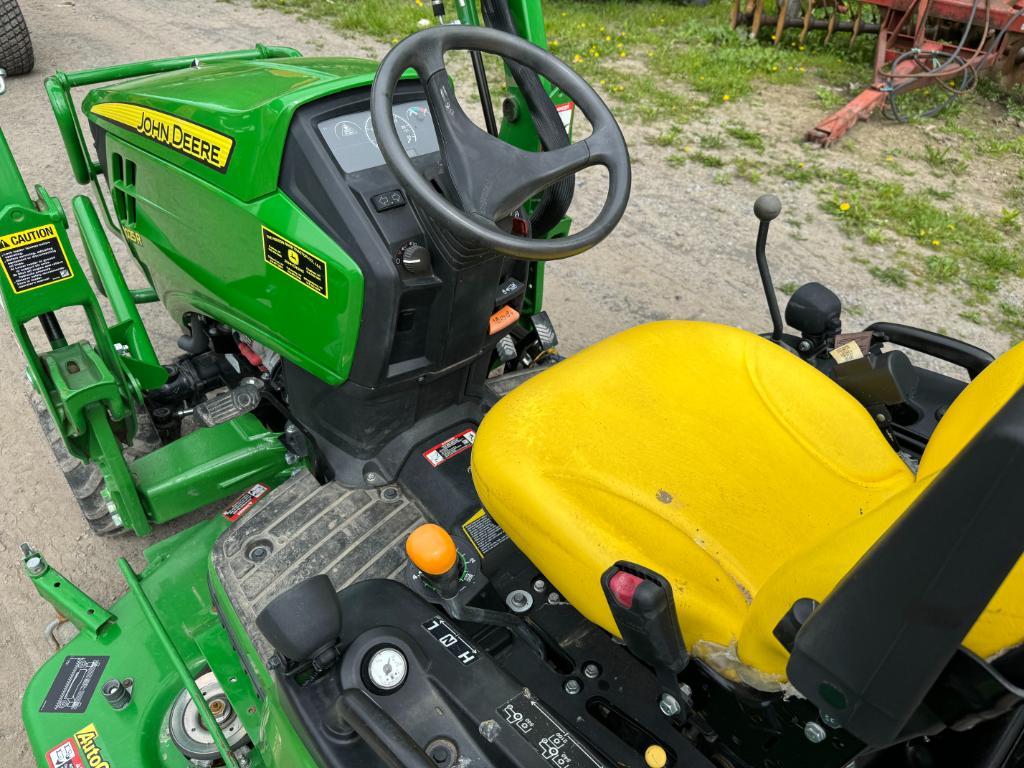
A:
946	44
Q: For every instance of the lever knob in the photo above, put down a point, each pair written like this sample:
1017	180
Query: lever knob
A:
432	550
767	207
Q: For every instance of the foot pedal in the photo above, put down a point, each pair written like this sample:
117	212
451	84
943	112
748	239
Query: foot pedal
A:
242	399
506	349
545	330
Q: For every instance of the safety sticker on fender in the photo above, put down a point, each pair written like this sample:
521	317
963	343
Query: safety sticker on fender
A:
74	685
485	534
33	258
208	147
295	261
245	502
453	446
80	751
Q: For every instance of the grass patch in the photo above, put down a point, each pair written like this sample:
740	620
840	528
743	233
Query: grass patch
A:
659	60
890	275
957	244
748	138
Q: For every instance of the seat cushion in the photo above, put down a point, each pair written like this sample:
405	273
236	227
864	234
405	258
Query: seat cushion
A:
703	452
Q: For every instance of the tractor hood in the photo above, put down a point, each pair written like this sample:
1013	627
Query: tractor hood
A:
225	123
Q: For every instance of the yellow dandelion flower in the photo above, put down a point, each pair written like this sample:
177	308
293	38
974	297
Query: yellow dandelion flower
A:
607	38
577	59
844	206
622	54
725	97
936	242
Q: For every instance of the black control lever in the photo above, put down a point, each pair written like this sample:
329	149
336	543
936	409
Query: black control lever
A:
767	208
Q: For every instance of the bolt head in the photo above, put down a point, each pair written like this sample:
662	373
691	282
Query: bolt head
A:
116	519
539	585
669	705
554	598
814	732
591	670
573	686
34	565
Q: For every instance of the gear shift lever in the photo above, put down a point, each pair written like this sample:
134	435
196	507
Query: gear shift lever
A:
766	208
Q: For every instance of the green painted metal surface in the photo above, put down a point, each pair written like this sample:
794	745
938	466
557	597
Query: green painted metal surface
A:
250	102
208	465
60	84
69	601
175	585
203	250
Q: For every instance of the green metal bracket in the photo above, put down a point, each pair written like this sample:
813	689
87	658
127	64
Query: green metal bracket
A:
80	379
207	465
69	601
135	587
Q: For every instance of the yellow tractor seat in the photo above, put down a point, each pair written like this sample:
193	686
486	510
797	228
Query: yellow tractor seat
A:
715	458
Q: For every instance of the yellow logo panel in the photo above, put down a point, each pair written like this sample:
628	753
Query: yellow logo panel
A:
206	146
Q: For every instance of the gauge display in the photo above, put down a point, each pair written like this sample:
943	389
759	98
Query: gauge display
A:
353	143
387	668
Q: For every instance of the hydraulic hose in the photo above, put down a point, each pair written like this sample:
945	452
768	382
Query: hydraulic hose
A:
555	200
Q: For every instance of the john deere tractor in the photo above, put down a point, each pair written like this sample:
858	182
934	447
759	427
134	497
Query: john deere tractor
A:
442	544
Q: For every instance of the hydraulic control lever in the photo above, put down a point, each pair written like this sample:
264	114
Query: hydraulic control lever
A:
767	208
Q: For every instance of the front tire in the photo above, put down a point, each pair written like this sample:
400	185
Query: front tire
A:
85	480
16	55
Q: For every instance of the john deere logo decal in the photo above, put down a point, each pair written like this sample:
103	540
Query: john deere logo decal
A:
210	148
80	751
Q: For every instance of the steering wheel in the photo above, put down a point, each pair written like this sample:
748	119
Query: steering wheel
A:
491	177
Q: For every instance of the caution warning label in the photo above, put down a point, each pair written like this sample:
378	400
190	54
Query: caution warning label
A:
453	446
245	502
295	261
33	258
484	532
80	751
208	147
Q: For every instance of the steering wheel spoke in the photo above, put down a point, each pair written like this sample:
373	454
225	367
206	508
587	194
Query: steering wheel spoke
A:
492	178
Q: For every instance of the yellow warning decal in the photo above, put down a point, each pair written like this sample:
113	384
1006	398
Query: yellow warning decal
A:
295	261
34	258
90	750
484	533
210	148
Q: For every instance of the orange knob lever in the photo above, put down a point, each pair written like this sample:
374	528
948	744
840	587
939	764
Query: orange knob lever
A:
431	549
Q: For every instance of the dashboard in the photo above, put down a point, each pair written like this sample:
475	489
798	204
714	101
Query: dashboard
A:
351	138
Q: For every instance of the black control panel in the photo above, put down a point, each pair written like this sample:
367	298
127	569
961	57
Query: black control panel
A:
425	340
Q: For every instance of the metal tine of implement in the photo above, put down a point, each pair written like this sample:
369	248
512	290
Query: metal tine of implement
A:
780	22
856	22
807	21
755	24
734	14
833	13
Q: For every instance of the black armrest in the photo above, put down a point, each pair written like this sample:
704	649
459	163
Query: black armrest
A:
967	356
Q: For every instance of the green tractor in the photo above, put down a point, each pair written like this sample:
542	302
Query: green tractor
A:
687	546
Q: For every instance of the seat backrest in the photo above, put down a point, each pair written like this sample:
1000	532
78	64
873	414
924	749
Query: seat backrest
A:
875	648
972	410
815	571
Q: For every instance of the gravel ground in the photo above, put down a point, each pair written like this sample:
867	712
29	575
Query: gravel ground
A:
684	249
